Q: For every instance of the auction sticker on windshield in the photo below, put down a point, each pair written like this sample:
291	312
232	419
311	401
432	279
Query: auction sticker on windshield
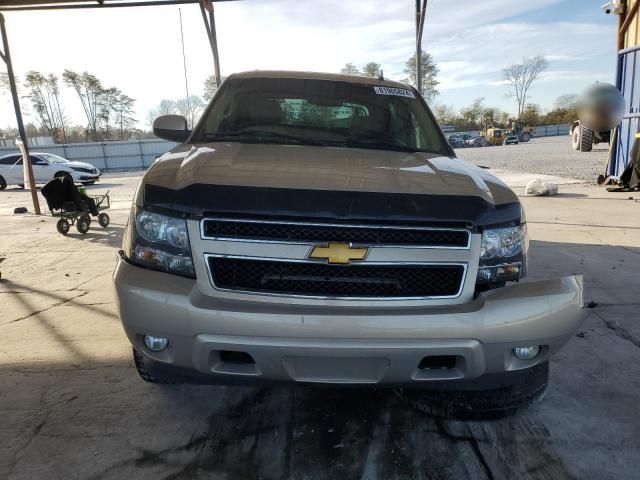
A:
398	92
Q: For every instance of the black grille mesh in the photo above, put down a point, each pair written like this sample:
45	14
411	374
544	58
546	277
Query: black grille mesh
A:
311	279
324	233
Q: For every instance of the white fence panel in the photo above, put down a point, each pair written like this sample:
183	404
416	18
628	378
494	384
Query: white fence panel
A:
107	156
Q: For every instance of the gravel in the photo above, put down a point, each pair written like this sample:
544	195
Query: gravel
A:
547	155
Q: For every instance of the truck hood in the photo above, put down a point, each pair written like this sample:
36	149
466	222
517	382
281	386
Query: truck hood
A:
327	182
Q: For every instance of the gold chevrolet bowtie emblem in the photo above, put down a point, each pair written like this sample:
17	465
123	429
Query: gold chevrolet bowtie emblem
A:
341	253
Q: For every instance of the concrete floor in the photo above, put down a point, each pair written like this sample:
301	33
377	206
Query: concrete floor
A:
73	407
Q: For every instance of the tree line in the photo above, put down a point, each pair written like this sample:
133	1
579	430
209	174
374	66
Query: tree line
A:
479	116
109	112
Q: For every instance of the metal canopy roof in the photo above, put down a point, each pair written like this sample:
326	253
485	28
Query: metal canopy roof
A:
18	5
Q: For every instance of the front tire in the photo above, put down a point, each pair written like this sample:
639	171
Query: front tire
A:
586	139
518	391
83	224
63	226
3	183
155	372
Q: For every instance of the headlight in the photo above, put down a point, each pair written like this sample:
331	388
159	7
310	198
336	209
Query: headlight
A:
160	242
503	255
502	242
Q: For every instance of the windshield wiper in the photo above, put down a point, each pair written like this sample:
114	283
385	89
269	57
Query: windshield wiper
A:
379	145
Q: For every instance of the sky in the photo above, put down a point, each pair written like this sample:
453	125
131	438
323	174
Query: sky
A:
138	50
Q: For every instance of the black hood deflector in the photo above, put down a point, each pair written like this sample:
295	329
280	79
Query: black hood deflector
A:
205	199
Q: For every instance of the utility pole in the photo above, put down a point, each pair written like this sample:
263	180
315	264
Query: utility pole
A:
26	158
421	10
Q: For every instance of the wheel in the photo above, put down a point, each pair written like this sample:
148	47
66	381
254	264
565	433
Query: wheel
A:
88	183
83	224
103	220
3	183
526	136
515	391
61	174
586	139
63	226
575	138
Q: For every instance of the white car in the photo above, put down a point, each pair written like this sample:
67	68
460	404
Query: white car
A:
46	166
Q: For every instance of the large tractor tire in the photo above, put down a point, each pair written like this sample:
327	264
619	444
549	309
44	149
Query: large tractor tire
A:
525	137
586	139
575	138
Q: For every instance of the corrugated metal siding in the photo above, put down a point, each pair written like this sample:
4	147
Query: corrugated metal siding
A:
629	84
126	155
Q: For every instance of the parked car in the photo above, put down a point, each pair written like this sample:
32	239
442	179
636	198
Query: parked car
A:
279	243
511	139
456	141
478	141
46	166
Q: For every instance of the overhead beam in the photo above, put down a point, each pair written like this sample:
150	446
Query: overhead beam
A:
35	5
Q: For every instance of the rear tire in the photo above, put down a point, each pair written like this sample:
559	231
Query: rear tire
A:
103	220
575	138
525	389
3	183
586	139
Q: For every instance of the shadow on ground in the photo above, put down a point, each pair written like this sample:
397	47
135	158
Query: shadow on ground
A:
91	418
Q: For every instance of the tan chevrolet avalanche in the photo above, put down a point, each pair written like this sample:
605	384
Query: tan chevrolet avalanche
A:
318	229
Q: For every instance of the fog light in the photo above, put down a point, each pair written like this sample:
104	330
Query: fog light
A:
526	353
155	344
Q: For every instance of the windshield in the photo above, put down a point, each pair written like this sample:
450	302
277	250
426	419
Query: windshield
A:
51	158
320	112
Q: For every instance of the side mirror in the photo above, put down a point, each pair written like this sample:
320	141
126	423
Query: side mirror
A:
171	127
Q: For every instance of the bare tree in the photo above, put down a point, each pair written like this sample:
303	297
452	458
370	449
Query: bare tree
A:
191	108
521	76
123	113
165	107
89	90
371	69
4	82
350	69
107	101
44	93
568	101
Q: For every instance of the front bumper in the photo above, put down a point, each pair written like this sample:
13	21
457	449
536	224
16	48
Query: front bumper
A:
86	177
352	345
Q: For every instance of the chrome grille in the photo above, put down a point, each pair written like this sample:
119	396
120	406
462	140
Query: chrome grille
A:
298	232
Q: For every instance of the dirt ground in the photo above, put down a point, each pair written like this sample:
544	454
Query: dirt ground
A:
73	407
